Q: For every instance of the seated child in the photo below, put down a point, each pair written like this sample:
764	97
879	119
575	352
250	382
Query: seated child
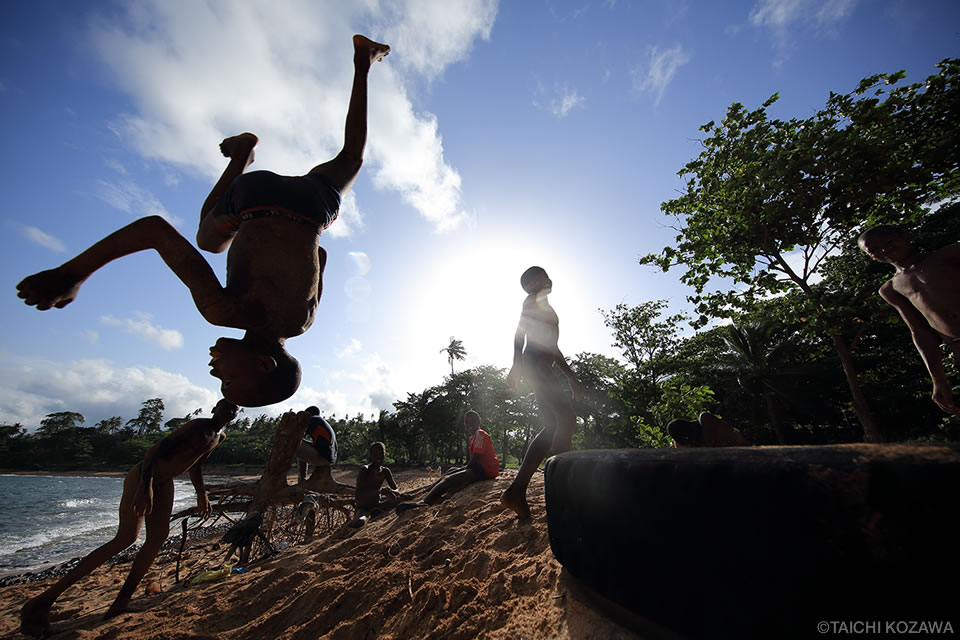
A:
147	494
483	465
271	225
370	498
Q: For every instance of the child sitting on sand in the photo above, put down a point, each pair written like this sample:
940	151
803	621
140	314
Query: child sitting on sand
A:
147	494
368	493
482	465
535	354
926	294
272	226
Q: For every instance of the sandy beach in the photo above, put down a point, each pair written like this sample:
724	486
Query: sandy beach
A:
463	569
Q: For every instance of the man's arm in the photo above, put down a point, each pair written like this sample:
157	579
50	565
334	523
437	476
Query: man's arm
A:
58	287
927	342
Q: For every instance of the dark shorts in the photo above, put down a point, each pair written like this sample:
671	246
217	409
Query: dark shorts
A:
547	386
309	199
323	448
480	473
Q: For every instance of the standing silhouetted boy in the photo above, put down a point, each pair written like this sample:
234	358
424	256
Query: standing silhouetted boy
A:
147	494
535	354
272	225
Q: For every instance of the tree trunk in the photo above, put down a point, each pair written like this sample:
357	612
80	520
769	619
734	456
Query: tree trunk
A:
870	431
772	416
272	489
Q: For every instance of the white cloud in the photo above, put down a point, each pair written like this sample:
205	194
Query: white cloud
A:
568	101
198	72
349	349
349	220
431	35
659	73
42	238
167	339
779	15
31	388
116	166
135	200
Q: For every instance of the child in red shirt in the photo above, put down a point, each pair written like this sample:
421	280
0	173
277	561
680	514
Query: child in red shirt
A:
482	465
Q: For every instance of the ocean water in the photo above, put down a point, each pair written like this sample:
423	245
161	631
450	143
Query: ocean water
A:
46	520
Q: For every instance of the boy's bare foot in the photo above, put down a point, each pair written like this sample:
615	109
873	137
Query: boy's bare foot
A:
365	49
515	504
239	147
51	288
35	619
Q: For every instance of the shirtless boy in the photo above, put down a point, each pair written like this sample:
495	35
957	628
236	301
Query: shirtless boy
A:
272	226
147	494
925	291
369	481
539	330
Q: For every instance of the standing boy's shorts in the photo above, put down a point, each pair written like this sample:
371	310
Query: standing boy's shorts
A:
309	199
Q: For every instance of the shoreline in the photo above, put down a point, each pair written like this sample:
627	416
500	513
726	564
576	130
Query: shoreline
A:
212	470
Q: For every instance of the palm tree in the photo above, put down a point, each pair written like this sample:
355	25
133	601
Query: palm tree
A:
755	357
455	351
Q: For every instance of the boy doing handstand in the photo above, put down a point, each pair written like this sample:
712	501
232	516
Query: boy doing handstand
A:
926	294
271	225
147	494
535	353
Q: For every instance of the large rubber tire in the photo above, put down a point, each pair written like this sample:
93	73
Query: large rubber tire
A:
755	542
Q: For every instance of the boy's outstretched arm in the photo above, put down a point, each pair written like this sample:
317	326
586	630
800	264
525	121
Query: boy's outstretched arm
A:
58	287
927	342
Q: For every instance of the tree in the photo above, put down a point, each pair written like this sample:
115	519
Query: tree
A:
455	351
109	425
61	422
149	419
768	200
647	342
754	357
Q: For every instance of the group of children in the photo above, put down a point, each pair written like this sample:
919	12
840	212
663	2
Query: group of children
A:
271	225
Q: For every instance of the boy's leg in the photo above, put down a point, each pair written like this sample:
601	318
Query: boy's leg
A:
556	438
158	527
240	151
451	484
35	614
515	496
342	170
58	287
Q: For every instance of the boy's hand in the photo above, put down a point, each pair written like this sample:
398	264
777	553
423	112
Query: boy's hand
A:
203	505
943	396
143	501
576	388
51	288
513	378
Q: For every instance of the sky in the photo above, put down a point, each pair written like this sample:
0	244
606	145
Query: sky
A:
501	136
